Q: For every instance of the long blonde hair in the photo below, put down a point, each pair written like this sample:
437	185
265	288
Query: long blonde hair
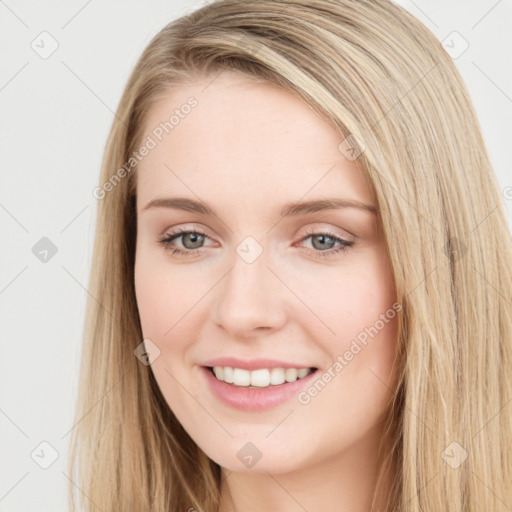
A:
379	76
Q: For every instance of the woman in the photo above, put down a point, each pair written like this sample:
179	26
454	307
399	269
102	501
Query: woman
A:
301	288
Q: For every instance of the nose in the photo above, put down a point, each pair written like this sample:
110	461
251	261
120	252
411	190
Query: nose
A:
250	298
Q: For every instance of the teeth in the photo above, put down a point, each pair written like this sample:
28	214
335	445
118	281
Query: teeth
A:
259	378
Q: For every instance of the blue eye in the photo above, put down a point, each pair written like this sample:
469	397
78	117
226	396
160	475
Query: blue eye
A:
198	237
343	245
167	242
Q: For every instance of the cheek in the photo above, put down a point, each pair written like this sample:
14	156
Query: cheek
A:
351	298
372	321
359	305
161	296
171	306
152	294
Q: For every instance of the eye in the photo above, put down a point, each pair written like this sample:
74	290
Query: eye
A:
192	240
323	240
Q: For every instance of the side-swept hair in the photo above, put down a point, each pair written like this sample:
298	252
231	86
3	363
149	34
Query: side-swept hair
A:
378	76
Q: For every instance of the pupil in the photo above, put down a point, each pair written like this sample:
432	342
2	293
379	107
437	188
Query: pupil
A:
322	239
195	238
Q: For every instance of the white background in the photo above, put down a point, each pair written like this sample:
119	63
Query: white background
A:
56	113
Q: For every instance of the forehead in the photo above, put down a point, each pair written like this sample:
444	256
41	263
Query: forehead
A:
243	136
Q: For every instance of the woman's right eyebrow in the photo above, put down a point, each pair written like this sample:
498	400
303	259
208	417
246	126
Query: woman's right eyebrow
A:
287	210
181	203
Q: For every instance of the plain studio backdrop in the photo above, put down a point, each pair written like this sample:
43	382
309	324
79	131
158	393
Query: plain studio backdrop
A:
63	68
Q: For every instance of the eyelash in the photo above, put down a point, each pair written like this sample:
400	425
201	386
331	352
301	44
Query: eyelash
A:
167	240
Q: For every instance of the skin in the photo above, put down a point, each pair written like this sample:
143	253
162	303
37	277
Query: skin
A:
246	149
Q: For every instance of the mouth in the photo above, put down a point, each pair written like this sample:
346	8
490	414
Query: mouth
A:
259	379
243	395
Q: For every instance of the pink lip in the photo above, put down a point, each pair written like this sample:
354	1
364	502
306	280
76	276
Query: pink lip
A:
254	399
253	364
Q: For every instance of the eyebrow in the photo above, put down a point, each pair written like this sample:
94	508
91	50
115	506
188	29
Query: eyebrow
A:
289	209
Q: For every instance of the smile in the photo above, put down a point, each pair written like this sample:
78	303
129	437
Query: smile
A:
260	378
247	397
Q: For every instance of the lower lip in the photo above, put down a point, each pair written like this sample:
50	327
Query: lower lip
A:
254	399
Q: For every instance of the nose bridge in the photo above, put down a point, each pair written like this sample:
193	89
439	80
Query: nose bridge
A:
250	296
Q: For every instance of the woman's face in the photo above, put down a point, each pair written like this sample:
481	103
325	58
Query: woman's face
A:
310	287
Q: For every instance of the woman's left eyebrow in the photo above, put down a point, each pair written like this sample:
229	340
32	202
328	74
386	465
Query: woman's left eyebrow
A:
289	209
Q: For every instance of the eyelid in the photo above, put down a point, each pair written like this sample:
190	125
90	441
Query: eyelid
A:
346	235
185	228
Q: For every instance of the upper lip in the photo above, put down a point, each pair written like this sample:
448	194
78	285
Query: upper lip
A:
253	364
